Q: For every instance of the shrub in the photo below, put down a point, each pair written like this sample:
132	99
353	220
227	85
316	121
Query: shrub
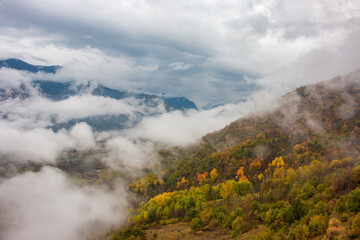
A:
196	224
128	233
233	215
344	217
301	232
318	225
190	214
355	225
335	230
220	214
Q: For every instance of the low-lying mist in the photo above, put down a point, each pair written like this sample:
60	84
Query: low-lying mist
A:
49	203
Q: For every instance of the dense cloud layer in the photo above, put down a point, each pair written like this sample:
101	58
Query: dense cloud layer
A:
210	52
46	205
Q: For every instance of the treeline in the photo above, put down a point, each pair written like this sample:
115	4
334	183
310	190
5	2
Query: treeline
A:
313	200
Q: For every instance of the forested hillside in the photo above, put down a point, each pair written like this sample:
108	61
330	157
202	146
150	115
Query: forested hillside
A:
295	171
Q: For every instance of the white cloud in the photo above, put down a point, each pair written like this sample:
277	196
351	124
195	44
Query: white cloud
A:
41	110
83	136
47	205
132	153
10	78
42	145
183	128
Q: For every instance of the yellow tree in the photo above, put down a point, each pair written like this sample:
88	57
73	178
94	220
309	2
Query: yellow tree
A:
227	189
279	171
213	174
278	162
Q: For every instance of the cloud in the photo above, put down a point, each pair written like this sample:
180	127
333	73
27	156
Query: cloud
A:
83	136
47	205
10	78
137	147
148	45
42	145
179	66
184	128
130	152
41	112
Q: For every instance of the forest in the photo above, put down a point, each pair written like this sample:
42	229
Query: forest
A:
292	173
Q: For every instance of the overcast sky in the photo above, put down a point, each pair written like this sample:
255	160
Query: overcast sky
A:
208	51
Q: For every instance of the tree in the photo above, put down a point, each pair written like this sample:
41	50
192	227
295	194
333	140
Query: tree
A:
278	162
356	174
301	232
167	212
318	225
227	189
213	174
341	205
354	201
243	187
240	175
202	177
196	224
296	211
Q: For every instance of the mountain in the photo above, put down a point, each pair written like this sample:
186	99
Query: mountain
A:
179	103
289	173
58	91
18	64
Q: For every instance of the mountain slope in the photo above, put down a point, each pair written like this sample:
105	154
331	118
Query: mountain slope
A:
294	172
318	116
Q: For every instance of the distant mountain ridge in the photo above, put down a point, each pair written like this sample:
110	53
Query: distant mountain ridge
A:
58	91
18	64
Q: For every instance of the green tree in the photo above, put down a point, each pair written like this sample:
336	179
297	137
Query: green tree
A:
296	211
167	212
196	224
341	205
318	225
243	187
354	201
